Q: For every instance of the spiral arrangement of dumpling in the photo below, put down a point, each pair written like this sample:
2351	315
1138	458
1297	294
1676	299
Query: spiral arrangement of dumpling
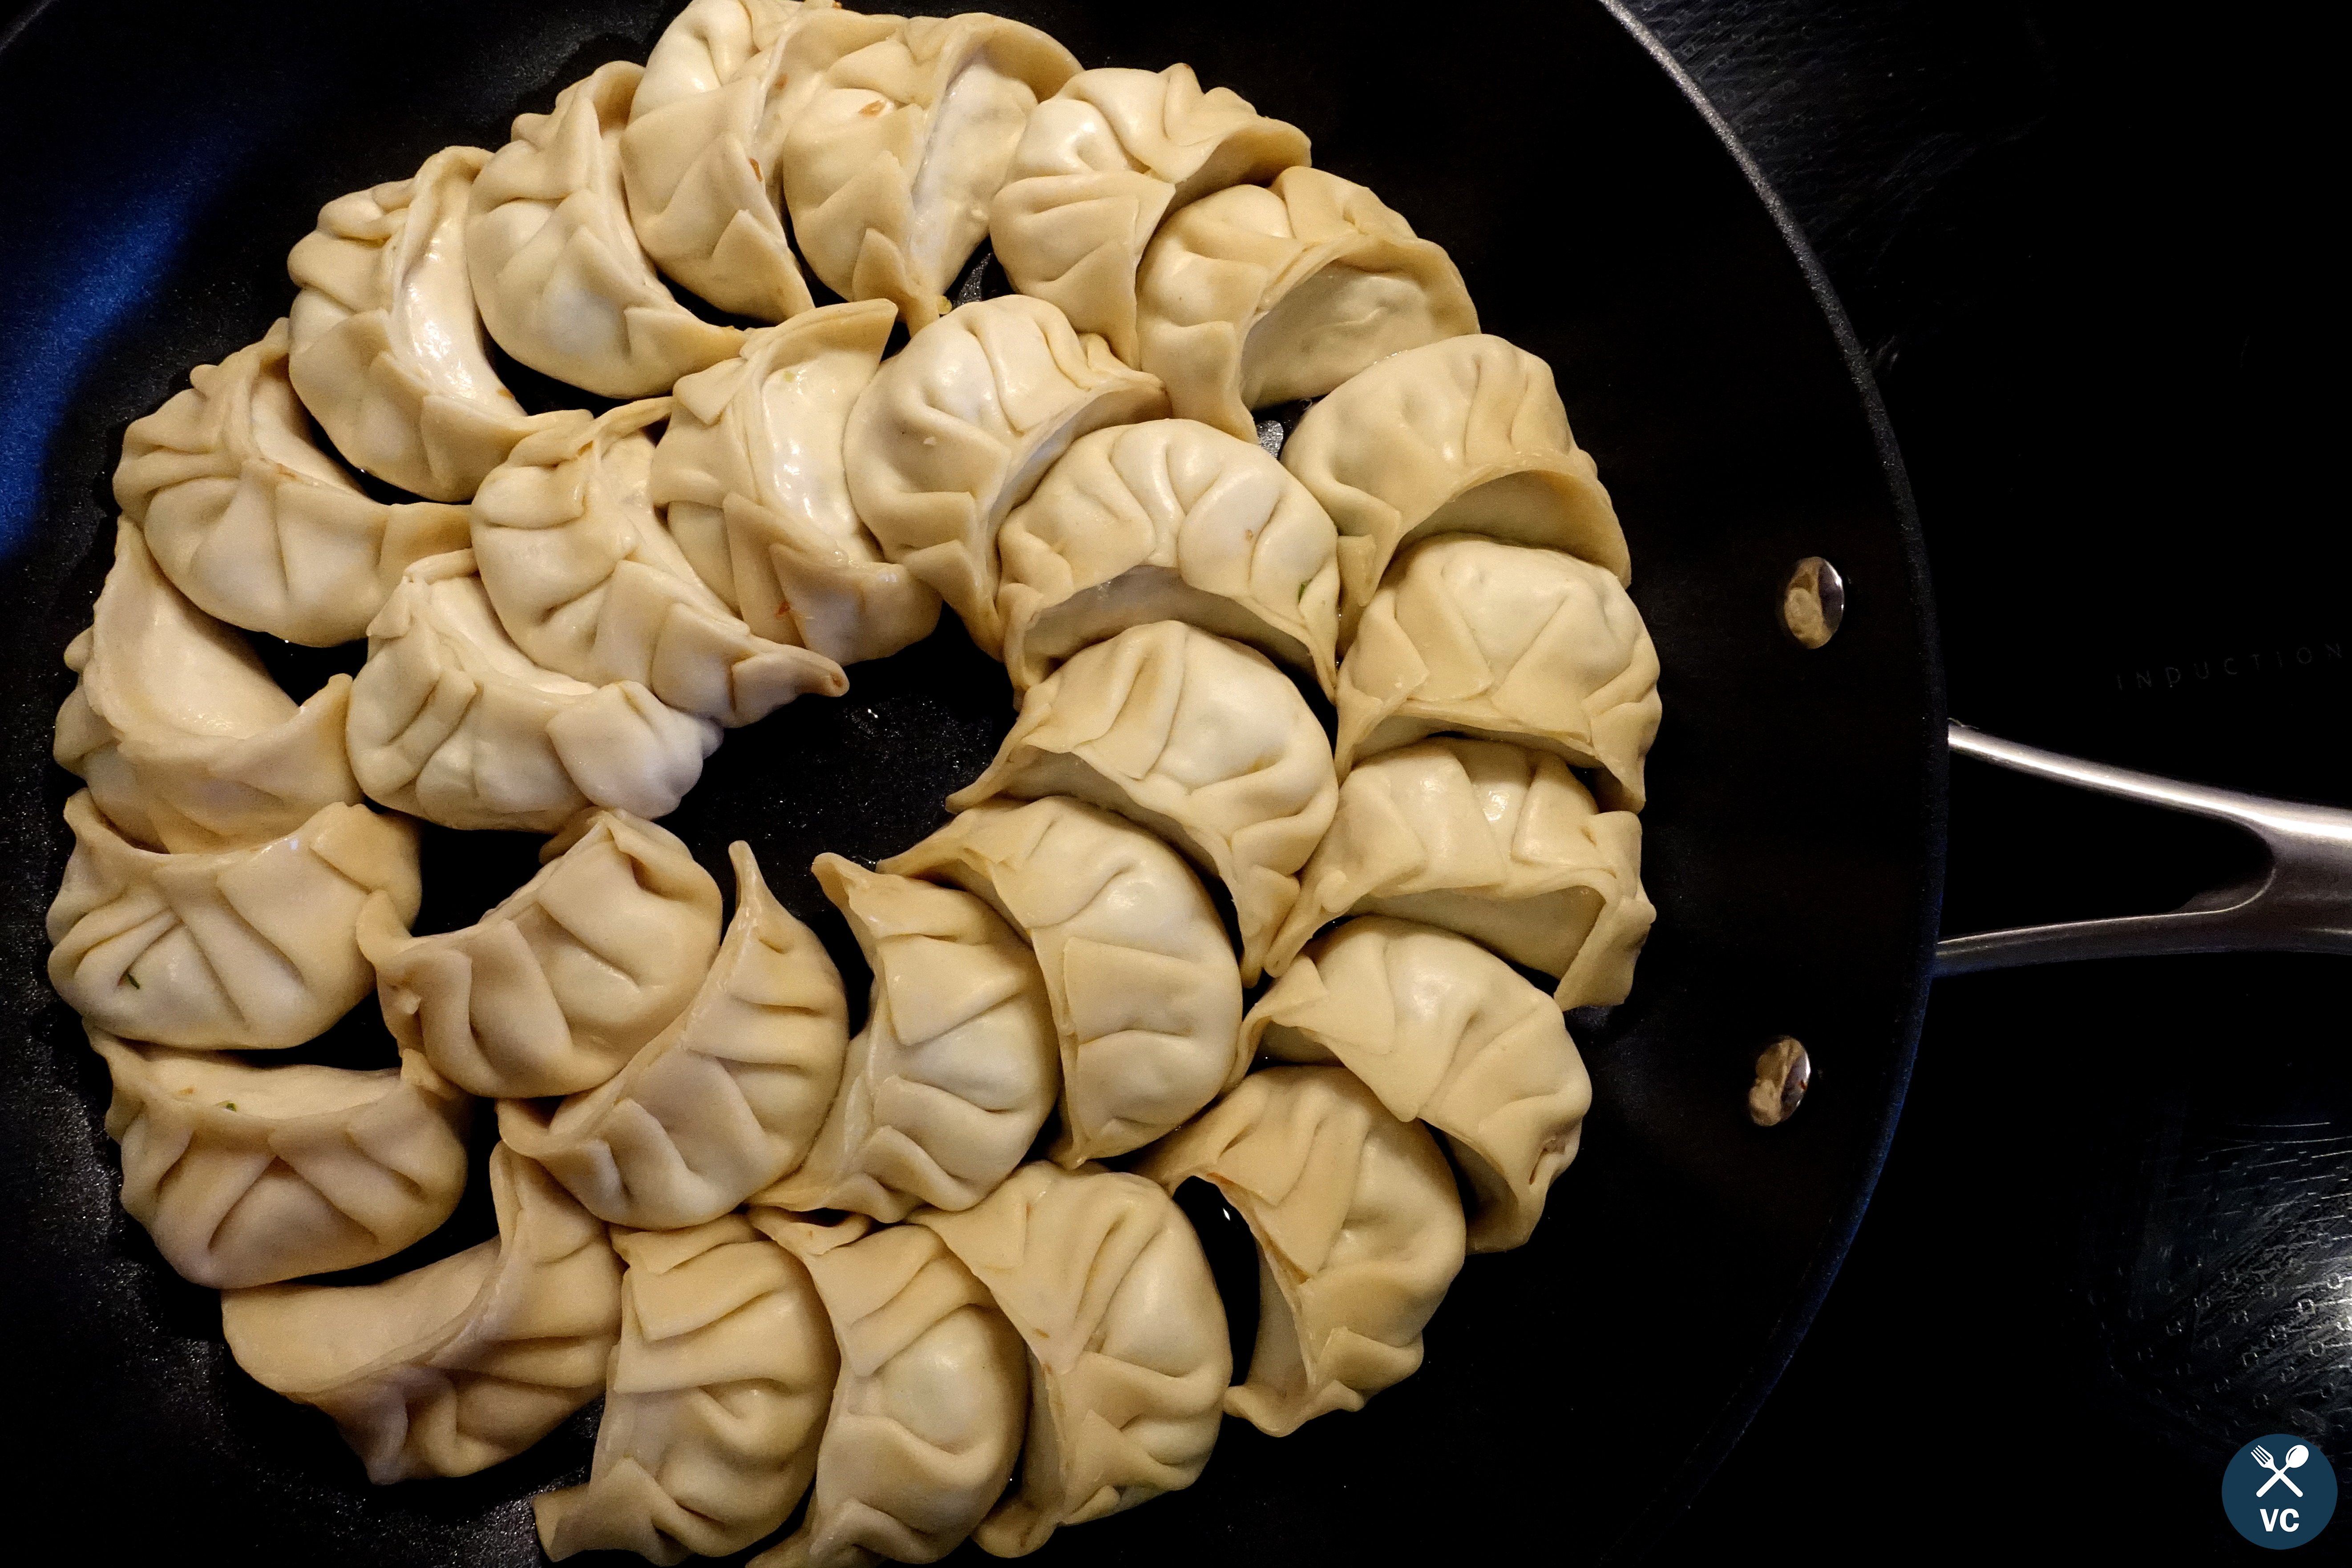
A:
931	1275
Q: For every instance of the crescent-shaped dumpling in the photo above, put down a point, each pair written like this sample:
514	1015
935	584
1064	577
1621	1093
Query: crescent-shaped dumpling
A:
699	189
1146	999
714	1401
461	1363
1100	163
957	429
750	477
896	145
452	722
1167	521
1260	295
1104	1278
252	949
247	1174
255	523
1462	436
187	743
563	281
724	1100
551	991
1358	1231
588	581
1201	740
928	1416
945	1087
1446	1031
1472	638
1494	841
389	354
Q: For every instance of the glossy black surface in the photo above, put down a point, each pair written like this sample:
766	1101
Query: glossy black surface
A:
1794	840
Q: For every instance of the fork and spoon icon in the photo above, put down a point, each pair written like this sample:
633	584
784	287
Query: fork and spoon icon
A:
2296	1456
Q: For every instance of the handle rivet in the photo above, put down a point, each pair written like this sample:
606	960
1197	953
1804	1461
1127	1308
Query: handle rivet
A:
1782	1073
1813	601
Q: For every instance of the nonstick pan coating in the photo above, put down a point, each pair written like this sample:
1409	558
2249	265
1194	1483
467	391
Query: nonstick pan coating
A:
167	156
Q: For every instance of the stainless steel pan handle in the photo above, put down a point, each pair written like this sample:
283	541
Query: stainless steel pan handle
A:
2299	901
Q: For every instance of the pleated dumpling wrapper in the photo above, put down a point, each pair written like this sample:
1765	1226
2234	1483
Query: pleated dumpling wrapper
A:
1104	1279
1260	295
1147	998
187	743
551	991
452	722
1463	436
722	1102
699	189
1201	740
714	1402
928	1415
252	521
1472	638
247	1174
898	142
945	1087
1167	521
389	354
751	480
1446	1031
955	431
1492	840
564	284
251	949
1100	163
588	581
455	1366
1358	1228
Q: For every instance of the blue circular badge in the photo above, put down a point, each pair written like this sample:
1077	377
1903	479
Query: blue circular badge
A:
2279	1490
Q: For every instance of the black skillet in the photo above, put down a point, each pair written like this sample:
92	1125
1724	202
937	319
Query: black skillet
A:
164	157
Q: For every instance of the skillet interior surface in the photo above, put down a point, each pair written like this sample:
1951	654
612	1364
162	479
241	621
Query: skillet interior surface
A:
1572	1389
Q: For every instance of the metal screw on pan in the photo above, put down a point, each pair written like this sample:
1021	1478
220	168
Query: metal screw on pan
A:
1782	1073
1813	601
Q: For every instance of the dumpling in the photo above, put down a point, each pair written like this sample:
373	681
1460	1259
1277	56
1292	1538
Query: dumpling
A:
713	1403
451	1368
588	581
956	431
187	743
1358	1231
255	524
555	989
891	157
247	1175
452	722
750	477
1444	1031
1169	521
1473	637
562	282
722	1102
928	1416
1100	163
1492	840
1201	740
247	949
1462	436
955	1072
1262	295
1104	1278
691	160
389	354
1146	999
